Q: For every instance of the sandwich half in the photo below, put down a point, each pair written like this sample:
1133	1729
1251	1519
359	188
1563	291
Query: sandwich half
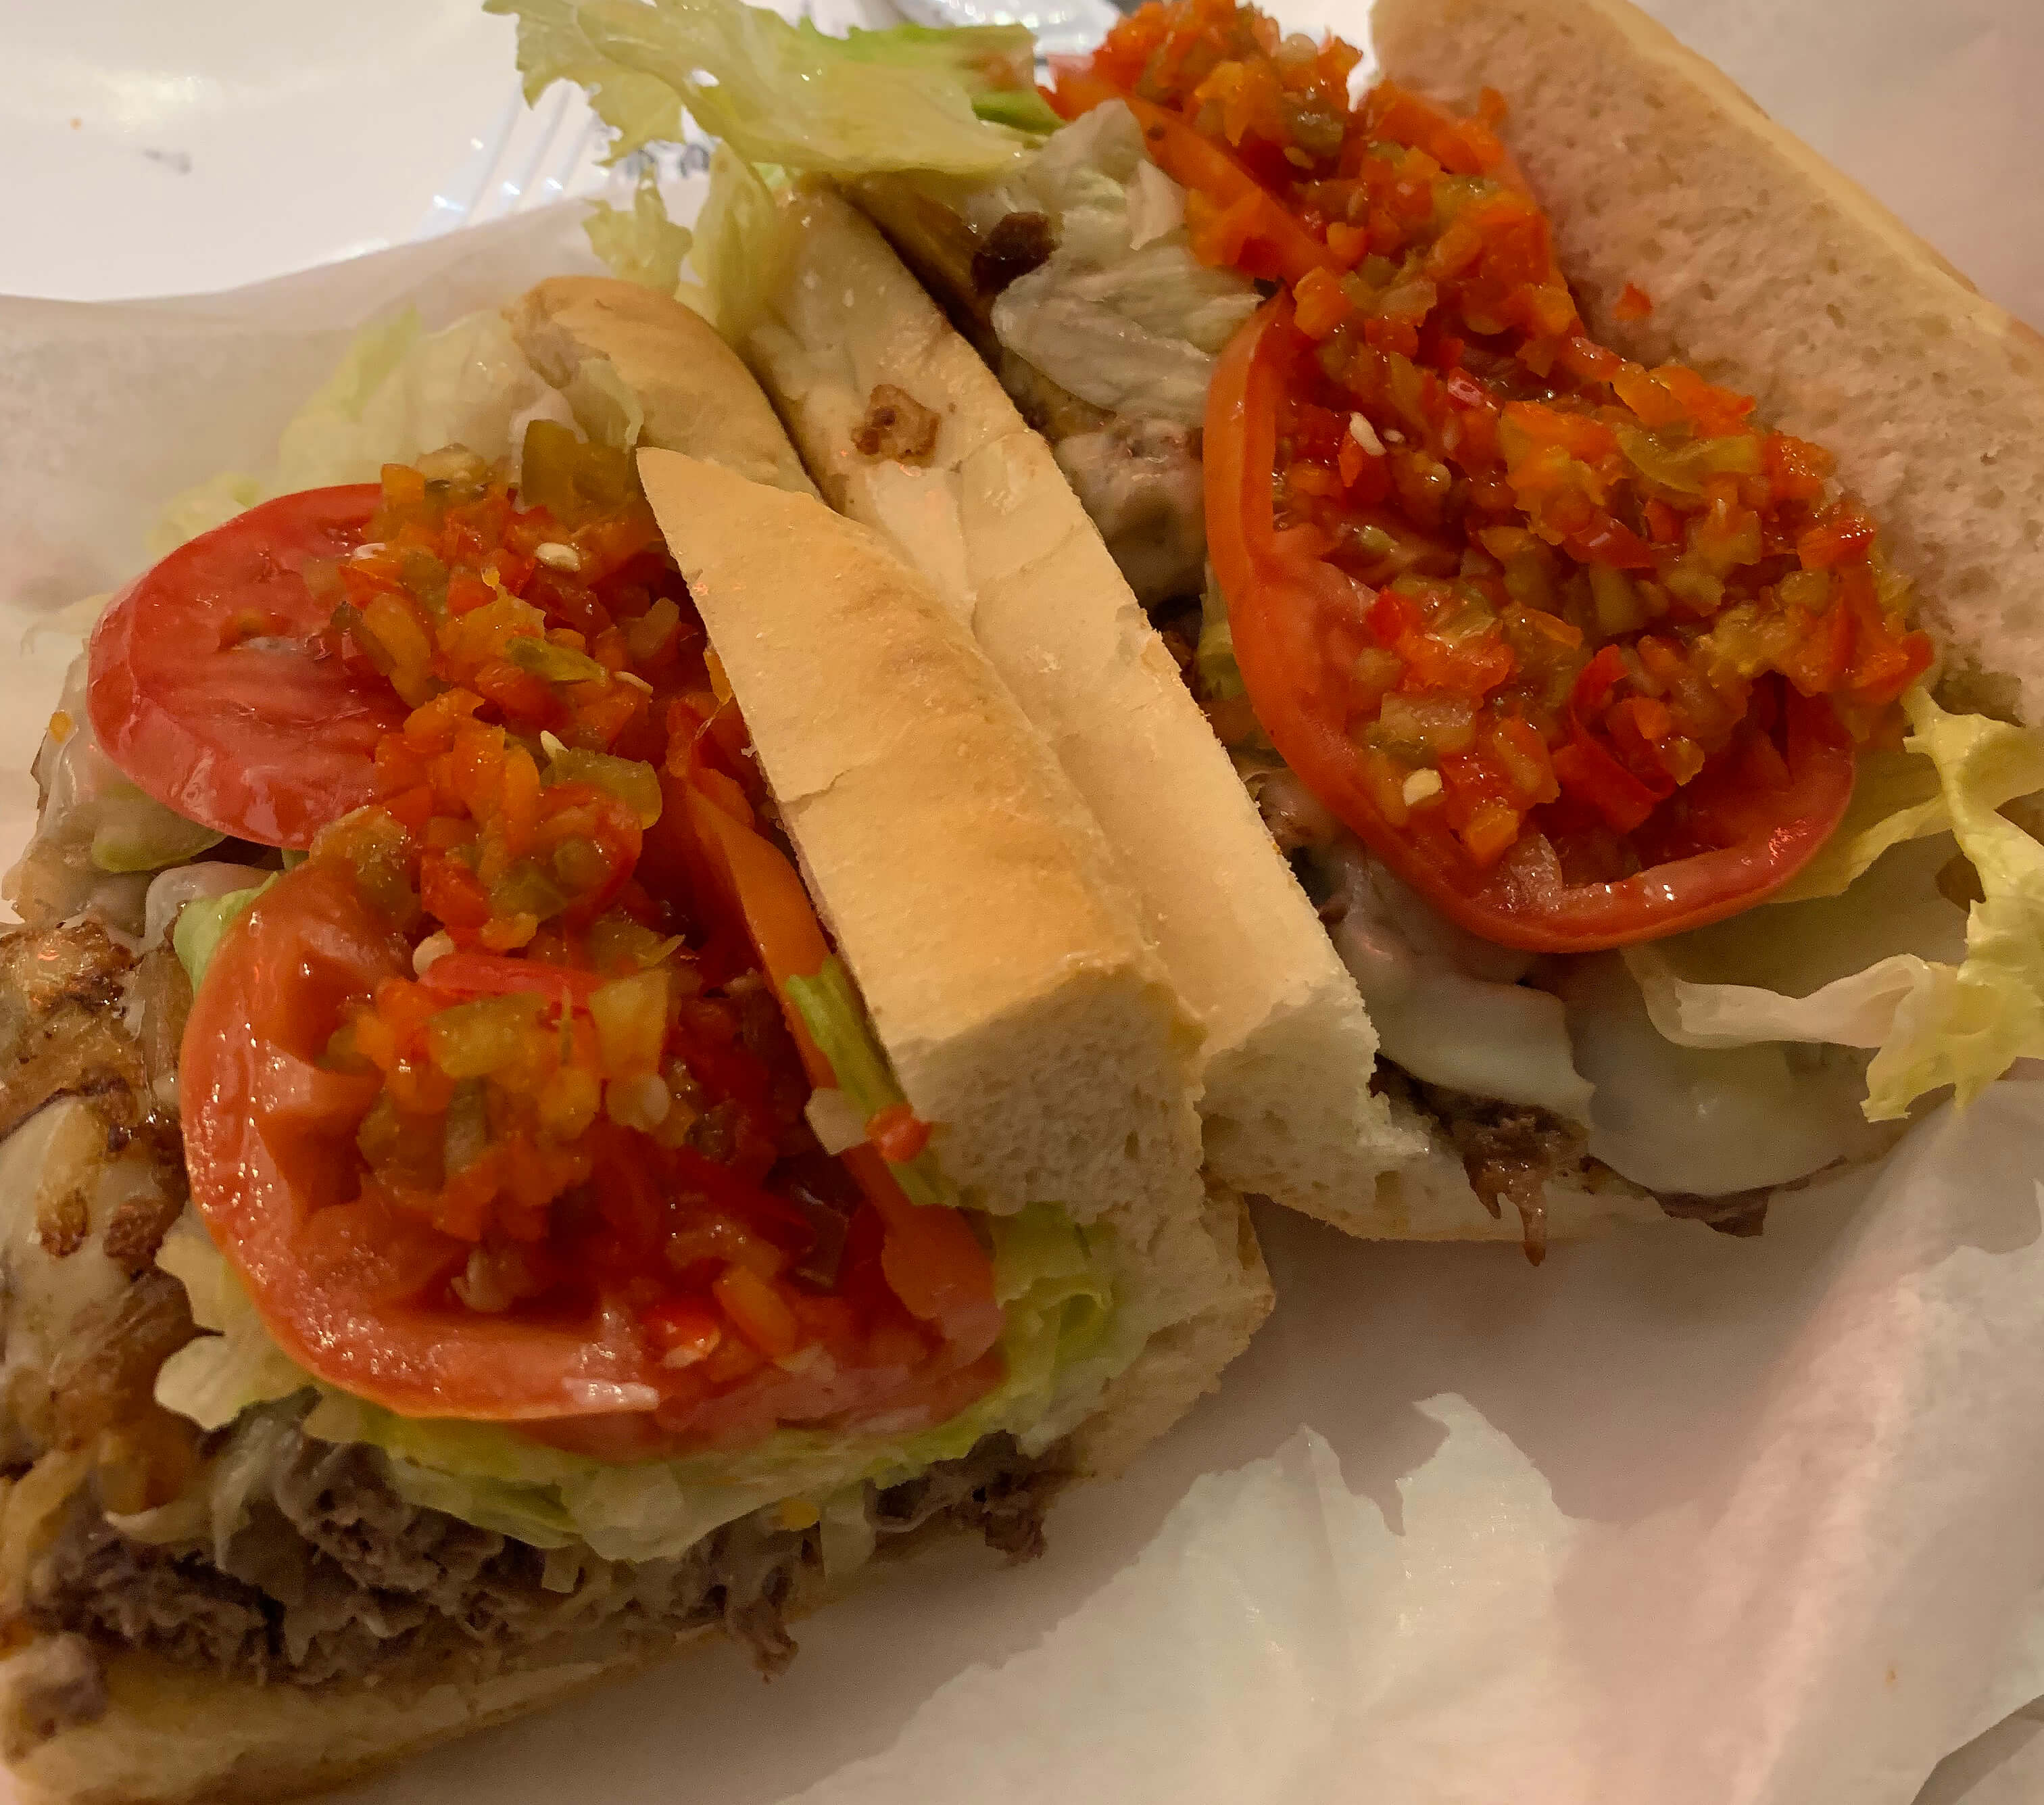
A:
1639	689
540	1125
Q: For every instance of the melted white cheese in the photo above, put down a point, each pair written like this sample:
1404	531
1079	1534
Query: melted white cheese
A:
1705	1122
1455	1010
1449	1007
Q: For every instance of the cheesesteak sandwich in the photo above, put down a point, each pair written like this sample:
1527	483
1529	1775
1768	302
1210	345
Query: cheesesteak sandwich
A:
1642	747
542	1122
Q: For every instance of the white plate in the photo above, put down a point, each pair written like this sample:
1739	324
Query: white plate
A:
185	145
198	144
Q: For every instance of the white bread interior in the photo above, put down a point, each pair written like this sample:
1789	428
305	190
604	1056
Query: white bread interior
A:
991	520
968	890
1772	273
1053	992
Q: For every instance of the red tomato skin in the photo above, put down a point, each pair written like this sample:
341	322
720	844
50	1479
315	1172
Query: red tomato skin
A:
269	1141
1279	591
354	1295
262	742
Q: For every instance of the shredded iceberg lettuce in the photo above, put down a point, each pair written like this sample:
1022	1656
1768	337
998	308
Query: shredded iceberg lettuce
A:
203	923
1121	314
906	98
736	242
400	392
1064	1338
639	244
1871	954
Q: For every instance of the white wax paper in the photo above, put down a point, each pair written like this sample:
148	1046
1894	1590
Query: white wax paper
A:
1675	1518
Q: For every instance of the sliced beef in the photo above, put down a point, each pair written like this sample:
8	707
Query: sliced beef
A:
334	1576
1018	243
995	1492
1511	1150
1508	1150
1740	1213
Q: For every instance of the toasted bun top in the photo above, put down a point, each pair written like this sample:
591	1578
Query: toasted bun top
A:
698	397
969	891
989	519
1772	274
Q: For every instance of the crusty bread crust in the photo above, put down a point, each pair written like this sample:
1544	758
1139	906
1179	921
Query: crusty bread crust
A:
1772	273
1204	1275
969	891
172	1735
696	394
991	520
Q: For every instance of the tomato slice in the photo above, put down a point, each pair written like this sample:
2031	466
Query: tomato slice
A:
354	1291
210	672
214	688
1283	596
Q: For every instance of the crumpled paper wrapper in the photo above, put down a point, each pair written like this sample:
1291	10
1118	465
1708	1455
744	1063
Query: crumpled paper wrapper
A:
1675	1517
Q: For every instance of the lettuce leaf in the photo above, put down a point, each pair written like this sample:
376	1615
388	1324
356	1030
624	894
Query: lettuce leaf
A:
1064	1338
1991	1012
832	1010
203	924
1870	954
737	241
1897	797
136	832
202	507
641	244
1220	675
1122	313
907	97
237	1366
400	392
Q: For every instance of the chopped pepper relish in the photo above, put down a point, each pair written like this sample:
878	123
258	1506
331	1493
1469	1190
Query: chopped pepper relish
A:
589	1084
